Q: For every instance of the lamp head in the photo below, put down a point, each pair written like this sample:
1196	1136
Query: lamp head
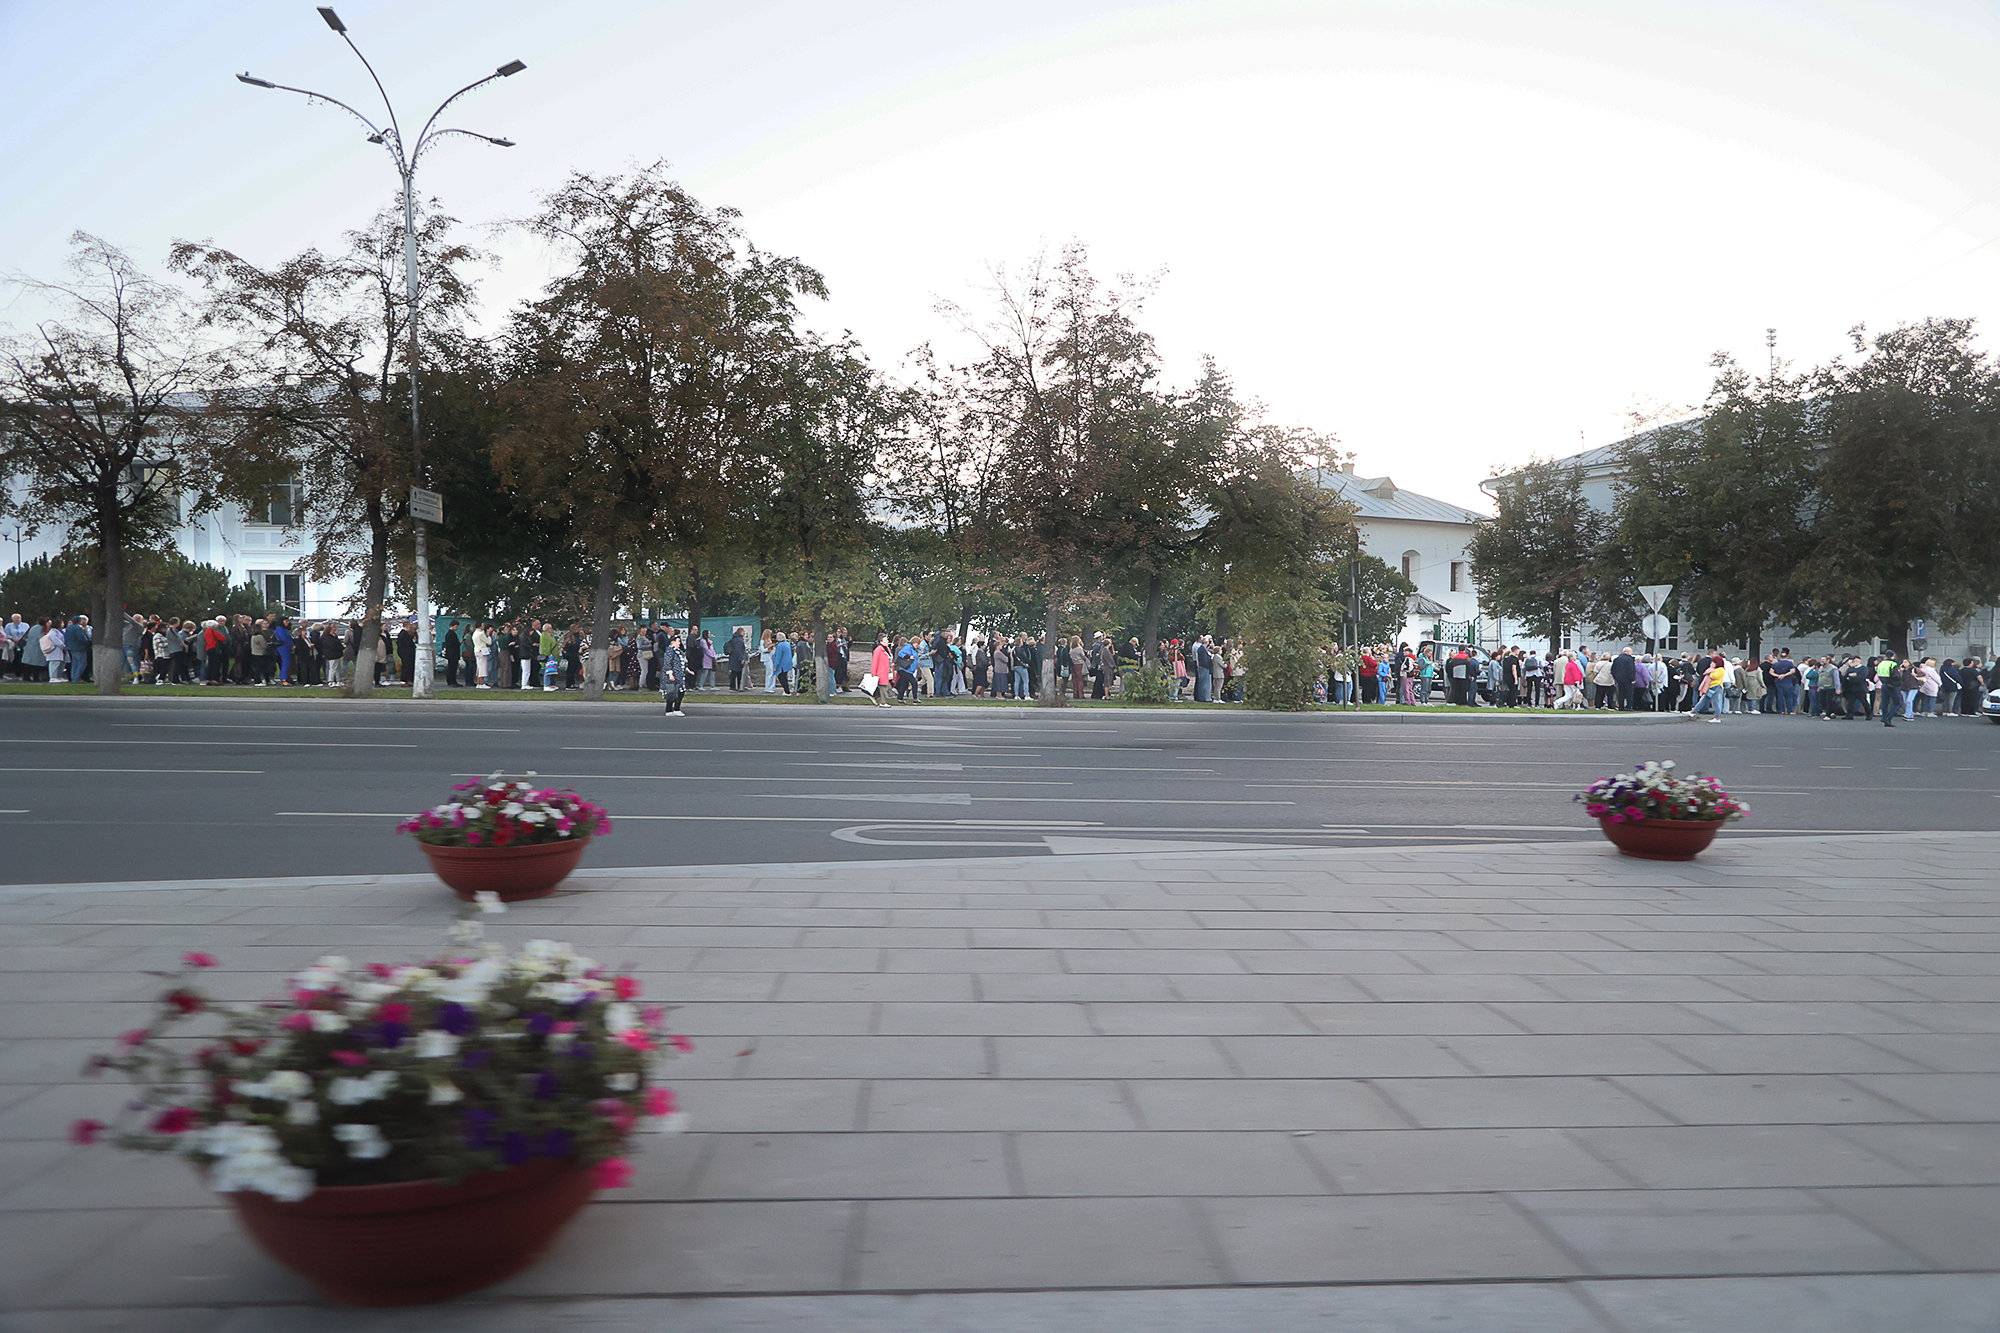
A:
332	19
255	82
507	70
502	143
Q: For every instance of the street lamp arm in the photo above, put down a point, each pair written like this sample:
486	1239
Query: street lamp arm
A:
425	137
375	133
391	106
431	138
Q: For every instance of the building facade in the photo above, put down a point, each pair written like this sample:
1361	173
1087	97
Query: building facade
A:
1421	538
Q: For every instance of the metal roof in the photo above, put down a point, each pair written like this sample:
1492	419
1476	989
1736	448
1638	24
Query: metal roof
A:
1381	497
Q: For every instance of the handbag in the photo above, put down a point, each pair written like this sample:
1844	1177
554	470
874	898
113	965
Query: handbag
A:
869	683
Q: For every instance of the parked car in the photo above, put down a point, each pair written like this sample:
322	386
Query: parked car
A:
1441	653
1989	707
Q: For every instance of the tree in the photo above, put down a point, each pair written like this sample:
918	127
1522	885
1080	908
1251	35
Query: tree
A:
1384	597
642	375
101	426
322	401
162	582
1537	560
1723	507
808	518
1910	480
1284	541
1066	383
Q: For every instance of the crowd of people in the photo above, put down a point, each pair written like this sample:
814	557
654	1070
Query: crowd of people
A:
1830	687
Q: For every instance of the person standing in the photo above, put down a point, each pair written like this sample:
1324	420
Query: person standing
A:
1107	666
882	666
737	653
673	674
451	645
1785	679
1887	697
779	665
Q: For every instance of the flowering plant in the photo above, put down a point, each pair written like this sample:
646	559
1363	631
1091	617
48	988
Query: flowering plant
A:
499	813
1655	793
366	1076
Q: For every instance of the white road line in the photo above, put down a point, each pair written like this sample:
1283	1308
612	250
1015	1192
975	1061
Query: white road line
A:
727	777
316	745
302	726
658	749
16	768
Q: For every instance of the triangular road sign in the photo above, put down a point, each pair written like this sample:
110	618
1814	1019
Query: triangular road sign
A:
1655	594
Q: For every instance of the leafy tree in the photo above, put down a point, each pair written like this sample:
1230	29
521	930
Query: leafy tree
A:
1537	561
642	376
1067	383
1723	507
808	518
1384	598
1910	480
323	402
100	424
1286	540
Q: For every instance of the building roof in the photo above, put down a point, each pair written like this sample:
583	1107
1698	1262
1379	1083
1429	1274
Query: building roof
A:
1381	497
1604	456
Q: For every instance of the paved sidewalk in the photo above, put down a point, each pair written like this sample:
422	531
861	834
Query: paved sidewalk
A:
1483	1088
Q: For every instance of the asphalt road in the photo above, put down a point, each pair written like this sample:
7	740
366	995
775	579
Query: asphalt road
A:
137	789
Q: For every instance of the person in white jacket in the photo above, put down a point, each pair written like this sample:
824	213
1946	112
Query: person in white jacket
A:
482	655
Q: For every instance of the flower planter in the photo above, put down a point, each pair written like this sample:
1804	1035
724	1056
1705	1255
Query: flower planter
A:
421	1241
1661	839
514	873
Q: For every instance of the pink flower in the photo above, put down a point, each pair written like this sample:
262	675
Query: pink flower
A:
198	959
353	1059
617	1112
85	1131
637	1039
136	1037
613	1173
395	1012
655	1015
297	1023
174	1120
380	971
681	1043
627	988
473	839
660	1101
564	1026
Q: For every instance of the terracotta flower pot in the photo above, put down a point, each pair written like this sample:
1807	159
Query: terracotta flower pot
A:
1661	839
423	1241
512	872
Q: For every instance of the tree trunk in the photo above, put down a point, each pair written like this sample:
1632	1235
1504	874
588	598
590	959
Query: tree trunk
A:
1898	639
1757	643
1555	630
361	662
600	632
1051	696
107	645
965	624
822	669
694	606
1149	631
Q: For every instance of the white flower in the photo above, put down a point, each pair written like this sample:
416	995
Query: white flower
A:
247	1158
533	817
364	1141
444	1092
620	1017
433	1045
625	1082
345	1091
325	1020
489	902
279	1085
304	1111
512	808
562	992
371	991
322	975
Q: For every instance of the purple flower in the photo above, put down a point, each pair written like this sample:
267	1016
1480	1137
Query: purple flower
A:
478	1124
474	1059
582	1051
557	1143
540	1024
546	1086
455	1018
514	1149
392	1034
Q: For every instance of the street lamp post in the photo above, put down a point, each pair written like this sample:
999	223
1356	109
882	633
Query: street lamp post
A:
423	679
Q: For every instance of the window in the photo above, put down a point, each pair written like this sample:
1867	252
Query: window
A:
142	475
1569	640
1412	565
1461	576
281	589
1673	640
278	504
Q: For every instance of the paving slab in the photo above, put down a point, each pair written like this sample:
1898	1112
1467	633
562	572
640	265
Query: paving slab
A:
1483	1088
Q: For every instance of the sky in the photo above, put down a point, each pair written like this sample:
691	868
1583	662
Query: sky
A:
1455	234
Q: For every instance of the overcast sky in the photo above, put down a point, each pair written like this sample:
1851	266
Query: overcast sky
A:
1455	234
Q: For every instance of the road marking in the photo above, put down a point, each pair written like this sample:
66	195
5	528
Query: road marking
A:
317	745
300	726
658	749
727	777
905	797
967	798
13	812
913	763
15	768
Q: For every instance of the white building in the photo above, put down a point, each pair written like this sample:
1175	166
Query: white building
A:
258	546
1601	470
1423	538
